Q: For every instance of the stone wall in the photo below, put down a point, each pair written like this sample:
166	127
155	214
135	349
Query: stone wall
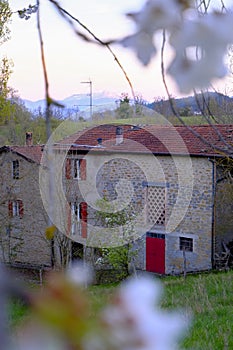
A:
124	178
22	238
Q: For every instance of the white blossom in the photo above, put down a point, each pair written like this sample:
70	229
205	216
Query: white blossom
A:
142	44
208	37
154	16
80	273
157	14
136	323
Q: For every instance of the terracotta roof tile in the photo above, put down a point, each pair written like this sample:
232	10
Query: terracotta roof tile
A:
32	153
202	140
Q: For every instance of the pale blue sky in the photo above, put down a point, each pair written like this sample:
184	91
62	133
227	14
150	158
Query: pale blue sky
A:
70	60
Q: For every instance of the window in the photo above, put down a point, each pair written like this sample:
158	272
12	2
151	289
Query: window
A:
15	208
77	163
75	169
15	169
186	244
156	205
75	210
78	219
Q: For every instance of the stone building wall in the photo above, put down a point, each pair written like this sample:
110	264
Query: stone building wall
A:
22	238
125	178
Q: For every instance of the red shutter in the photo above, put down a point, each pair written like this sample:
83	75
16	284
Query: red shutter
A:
83	174
68	216
68	168
10	209
83	214
20	208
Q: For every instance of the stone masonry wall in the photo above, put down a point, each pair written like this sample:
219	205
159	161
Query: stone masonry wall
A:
189	200
23	239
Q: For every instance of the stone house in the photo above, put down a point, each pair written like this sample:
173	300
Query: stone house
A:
169	187
23	219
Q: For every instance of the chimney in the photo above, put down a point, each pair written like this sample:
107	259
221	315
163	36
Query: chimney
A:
119	135
100	140
29	138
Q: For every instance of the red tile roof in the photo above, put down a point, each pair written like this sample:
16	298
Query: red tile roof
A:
205	140
31	153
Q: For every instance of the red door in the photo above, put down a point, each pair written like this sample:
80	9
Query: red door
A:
155	253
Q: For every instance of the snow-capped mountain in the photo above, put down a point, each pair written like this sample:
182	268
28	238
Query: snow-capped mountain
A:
79	103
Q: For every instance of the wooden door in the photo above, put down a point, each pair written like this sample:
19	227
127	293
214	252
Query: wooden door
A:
155	253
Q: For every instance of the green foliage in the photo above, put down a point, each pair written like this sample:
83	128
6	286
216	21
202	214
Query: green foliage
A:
124	110
5	15
6	107
17	312
118	257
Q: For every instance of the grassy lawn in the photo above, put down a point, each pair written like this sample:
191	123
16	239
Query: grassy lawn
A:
208	297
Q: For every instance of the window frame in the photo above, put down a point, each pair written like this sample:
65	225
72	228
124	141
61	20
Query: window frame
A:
16	208
15	169
186	244
75	168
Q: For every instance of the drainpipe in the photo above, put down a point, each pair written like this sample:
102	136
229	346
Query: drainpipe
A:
213	210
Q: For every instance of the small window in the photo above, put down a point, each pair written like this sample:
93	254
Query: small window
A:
78	218
75	169
75	209
186	244
15	208
77	163
15	169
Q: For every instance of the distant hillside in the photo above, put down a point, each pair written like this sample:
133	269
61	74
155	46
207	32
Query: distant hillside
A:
195	103
79	103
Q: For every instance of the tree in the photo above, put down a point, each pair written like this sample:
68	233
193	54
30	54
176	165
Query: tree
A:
119	257
5	68
124	109
5	15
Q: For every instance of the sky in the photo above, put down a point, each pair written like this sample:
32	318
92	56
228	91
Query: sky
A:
70	60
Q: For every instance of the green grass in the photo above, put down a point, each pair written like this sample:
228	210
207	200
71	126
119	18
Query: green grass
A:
208	297
17	312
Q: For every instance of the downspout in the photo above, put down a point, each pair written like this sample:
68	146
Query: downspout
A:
213	224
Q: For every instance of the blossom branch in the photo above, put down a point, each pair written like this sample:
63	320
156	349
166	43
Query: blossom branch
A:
70	18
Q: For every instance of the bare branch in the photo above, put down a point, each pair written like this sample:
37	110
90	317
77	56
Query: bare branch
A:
70	18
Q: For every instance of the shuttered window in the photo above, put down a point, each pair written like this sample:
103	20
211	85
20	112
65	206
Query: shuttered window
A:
83	214
15	208
75	169
77	219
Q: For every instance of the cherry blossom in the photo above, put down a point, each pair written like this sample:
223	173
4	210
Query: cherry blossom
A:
154	16
142	44
208	37
134	321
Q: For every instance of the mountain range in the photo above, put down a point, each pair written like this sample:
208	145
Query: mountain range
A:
79	104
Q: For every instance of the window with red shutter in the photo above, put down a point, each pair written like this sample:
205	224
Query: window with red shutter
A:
20	204
10	209
15	208
68	168
83	174
83	214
